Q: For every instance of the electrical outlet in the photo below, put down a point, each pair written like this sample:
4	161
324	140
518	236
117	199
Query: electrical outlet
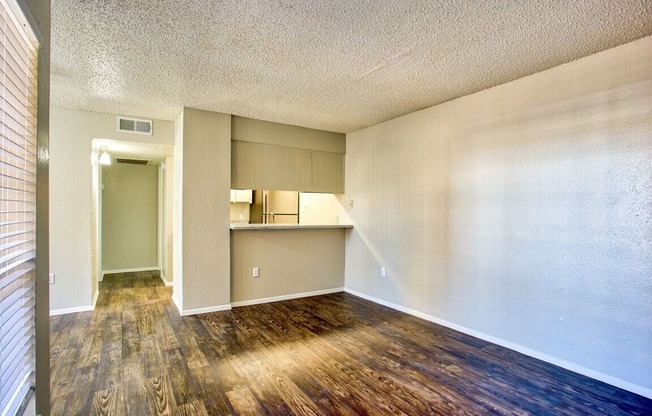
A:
255	272
241	216
383	273
51	278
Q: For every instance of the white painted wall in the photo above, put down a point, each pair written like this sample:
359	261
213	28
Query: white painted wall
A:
71	202
129	217
523	212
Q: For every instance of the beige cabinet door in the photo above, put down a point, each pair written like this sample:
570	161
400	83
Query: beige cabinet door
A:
245	165
298	170
242	195
327	172
264	166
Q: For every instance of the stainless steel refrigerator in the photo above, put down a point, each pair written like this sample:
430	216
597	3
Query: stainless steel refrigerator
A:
276	207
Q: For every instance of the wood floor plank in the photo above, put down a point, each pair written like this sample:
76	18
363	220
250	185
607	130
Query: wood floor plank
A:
133	387
332	355
106	402
183	386
212	389
80	403
195	408
244	403
159	395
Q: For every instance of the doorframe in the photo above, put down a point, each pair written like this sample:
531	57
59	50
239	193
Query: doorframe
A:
97	192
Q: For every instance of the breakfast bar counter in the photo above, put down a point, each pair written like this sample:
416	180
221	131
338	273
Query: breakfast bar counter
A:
244	226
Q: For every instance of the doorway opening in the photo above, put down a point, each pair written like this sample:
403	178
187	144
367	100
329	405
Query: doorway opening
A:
132	209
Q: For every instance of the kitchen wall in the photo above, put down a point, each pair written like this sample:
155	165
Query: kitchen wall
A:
321	209
71	202
239	212
521	214
129	217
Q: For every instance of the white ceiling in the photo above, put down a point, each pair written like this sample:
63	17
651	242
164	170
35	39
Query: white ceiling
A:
335	65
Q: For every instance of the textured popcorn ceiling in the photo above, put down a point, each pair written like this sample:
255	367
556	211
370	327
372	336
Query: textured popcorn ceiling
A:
336	65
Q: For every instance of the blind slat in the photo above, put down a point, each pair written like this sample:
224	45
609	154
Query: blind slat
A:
21	330
18	87
13	276
13	373
14	255
17	314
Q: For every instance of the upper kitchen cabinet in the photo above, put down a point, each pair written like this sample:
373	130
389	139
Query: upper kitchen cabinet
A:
245	165
268	155
241	195
263	166
327	172
284	168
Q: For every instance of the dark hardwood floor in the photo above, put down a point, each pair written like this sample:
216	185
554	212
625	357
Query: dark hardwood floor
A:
326	355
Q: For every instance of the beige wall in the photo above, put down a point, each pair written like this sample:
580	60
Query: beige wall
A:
71	203
177	214
203	191
167	176
129	217
291	262
520	213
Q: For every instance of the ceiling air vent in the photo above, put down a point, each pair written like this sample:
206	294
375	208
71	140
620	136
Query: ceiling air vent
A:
132	125
132	161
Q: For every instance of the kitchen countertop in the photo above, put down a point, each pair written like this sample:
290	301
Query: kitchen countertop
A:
243	226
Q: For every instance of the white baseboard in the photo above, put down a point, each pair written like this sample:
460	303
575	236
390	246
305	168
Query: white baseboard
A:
605	378
165	281
76	309
197	311
286	297
177	303
134	270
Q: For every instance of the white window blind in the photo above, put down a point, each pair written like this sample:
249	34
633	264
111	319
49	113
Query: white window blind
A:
18	208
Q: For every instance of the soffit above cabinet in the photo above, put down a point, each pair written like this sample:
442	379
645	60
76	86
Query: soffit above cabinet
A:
259	131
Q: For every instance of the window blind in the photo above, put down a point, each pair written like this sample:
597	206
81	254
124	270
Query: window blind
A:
18	208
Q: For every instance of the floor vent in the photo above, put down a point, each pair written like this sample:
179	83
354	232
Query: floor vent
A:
132	161
132	125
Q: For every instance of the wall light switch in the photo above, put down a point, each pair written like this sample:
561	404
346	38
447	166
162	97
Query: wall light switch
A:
382	272
51	278
255	272
350	203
